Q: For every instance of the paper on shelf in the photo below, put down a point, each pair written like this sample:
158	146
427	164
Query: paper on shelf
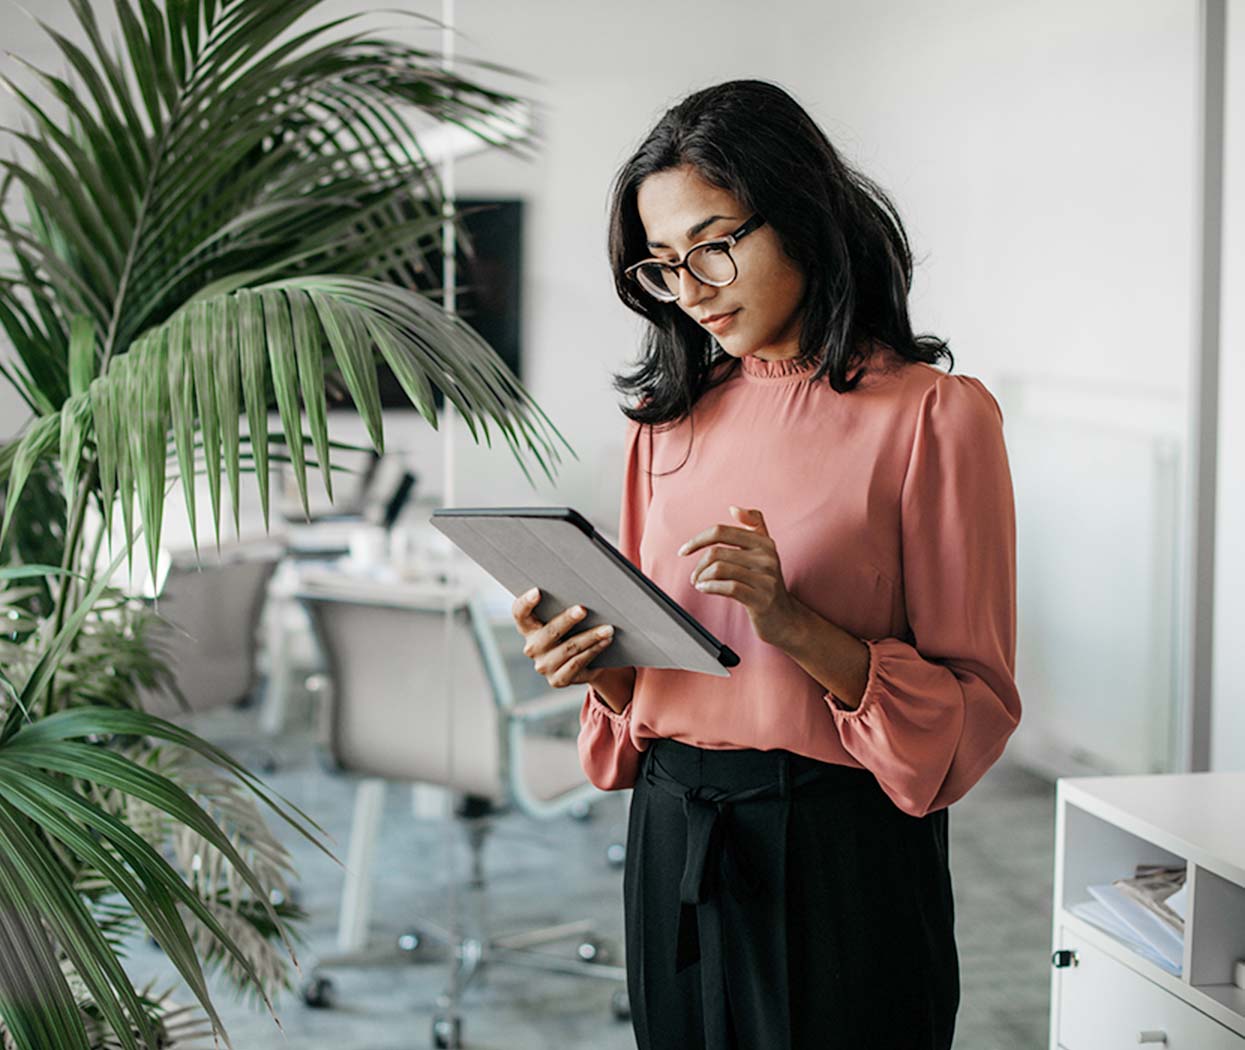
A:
1144	924
1097	914
1150	887
1178	901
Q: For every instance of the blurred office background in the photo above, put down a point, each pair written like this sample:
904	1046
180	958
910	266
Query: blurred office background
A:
1046	160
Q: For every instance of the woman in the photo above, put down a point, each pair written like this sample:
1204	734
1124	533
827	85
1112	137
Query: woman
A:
804	481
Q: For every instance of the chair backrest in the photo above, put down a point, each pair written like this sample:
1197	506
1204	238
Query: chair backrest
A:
212	608
399	694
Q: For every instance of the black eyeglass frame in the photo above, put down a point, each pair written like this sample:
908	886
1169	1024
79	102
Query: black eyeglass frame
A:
730	240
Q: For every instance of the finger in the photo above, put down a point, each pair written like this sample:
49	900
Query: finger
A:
562	623
547	637
574	670
725	571
723	534
522	609
752	517
756	560
553	663
731	587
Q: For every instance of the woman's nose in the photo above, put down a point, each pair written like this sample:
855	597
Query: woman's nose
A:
691	291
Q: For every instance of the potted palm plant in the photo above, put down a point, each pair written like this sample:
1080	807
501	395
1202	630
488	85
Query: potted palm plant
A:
225	211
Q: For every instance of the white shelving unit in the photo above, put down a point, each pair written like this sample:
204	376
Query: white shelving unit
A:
1104	996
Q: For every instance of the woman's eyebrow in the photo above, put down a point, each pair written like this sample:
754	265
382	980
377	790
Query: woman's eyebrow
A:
694	230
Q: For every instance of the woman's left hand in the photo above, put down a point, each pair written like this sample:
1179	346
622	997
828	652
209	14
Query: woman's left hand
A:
748	571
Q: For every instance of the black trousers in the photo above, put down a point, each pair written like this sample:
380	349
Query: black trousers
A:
774	901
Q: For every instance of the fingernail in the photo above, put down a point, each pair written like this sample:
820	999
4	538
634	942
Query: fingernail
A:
605	631
577	612
532	593
682	549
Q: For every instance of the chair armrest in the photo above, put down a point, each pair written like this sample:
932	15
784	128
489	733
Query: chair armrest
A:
547	706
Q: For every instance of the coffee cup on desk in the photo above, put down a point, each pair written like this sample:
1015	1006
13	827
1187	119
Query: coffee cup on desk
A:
367	546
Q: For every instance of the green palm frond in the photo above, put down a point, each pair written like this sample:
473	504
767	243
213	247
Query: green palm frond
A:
207	871
115	655
210	874
253	190
42	767
53	827
217	358
225	211
267	973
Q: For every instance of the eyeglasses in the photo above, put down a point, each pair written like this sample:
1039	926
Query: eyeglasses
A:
710	263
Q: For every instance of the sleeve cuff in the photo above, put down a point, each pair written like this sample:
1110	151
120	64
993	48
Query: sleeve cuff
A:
869	697
623	717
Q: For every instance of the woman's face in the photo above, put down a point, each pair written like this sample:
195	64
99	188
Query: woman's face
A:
679	209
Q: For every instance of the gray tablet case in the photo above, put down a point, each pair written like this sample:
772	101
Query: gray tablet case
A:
558	550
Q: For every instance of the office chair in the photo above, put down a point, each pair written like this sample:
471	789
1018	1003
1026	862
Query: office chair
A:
394	687
212	606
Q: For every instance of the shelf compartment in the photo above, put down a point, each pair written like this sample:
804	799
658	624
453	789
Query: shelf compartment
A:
1217	938
1098	851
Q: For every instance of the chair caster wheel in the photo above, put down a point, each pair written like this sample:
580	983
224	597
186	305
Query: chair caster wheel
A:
616	854
318	993
620	1005
581	811
591	950
412	943
447	1032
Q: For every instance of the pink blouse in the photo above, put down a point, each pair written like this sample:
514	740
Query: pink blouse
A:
891	511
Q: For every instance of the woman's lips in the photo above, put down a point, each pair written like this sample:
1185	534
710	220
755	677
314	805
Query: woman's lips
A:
721	322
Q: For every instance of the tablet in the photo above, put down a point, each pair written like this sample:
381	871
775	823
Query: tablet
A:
558	550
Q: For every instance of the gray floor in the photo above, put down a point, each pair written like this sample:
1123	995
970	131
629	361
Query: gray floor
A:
1001	853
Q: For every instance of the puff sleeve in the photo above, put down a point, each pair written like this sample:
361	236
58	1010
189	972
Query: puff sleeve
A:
607	752
937	713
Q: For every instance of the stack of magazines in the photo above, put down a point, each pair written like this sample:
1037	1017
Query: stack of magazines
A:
1145	911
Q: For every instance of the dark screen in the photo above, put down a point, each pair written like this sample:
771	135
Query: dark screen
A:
489	279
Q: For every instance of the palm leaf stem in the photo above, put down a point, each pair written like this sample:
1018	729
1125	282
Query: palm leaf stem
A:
73	539
158	154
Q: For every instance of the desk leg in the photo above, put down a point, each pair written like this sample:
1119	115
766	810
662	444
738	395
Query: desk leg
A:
356	902
276	693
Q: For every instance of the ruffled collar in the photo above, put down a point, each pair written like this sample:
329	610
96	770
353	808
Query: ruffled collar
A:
791	368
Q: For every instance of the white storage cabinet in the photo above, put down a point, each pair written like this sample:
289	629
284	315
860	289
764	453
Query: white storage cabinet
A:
1104	996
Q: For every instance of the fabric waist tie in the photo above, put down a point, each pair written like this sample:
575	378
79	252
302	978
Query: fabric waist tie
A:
712	862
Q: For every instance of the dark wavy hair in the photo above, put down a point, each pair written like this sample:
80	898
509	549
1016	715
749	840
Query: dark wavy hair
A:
753	139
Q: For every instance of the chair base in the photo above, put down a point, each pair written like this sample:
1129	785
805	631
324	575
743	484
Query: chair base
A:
469	955
523	949
472	955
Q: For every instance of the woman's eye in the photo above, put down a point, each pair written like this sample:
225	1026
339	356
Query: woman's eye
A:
714	249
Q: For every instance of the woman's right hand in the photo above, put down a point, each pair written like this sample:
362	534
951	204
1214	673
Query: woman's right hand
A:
564	660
